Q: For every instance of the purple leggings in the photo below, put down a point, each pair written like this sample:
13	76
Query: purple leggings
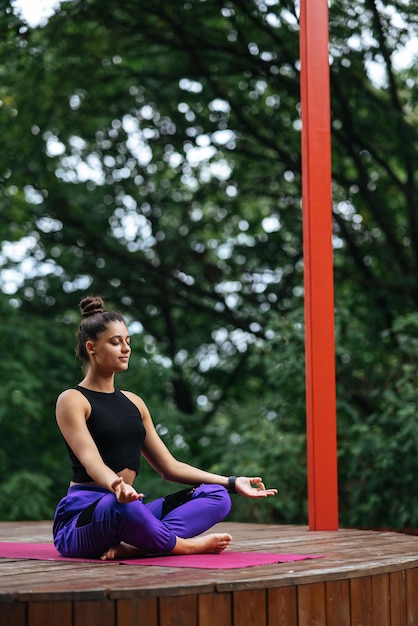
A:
89	520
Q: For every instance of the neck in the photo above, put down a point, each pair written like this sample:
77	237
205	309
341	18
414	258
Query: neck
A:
105	384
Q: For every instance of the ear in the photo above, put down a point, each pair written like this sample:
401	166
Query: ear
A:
90	347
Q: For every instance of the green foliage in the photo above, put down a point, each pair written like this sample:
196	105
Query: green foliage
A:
378	454
260	429
154	157
25	496
37	361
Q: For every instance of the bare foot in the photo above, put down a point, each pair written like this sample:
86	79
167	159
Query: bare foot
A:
122	551
203	544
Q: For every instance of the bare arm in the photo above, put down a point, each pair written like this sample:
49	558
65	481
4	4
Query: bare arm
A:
169	468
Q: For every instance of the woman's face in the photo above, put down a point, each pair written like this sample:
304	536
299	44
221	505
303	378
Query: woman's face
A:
111	349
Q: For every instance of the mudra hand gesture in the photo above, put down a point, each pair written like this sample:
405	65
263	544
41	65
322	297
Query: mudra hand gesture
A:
252	487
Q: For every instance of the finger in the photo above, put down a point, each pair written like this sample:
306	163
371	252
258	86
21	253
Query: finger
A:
255	482
129	497
265	493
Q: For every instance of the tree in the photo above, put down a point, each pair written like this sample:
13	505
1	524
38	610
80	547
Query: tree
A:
155	158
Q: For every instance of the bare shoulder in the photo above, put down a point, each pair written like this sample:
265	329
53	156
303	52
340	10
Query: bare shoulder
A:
70	395
72	401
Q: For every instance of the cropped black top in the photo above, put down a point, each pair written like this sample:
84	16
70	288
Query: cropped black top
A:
115	424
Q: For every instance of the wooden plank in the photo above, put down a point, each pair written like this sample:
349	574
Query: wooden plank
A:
94	582
380	600
214	609
133	612
311	605
337	599
49	614
90	613
398	598
12	614
135	581
42	569
68	586
28	531
282	606
178	611
412	597
349	554
361	601
379	568
249	608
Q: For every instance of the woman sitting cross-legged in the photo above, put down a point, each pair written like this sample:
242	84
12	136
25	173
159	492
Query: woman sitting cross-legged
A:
106	431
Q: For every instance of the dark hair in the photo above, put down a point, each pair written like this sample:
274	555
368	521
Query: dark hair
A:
95	321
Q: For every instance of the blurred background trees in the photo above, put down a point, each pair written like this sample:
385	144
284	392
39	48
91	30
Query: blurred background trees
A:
151	153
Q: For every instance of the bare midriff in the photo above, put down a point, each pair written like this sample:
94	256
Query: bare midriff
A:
128	476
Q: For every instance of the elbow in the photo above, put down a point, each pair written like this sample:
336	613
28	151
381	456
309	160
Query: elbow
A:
171	474
166	475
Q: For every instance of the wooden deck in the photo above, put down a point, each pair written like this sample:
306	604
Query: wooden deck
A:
366	579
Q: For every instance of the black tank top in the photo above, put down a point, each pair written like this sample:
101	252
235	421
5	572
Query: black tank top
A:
115	424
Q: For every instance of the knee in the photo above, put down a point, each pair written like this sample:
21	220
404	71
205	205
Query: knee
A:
226	500
219	495
116	512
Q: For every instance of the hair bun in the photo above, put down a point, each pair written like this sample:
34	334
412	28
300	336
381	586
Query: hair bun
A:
90	305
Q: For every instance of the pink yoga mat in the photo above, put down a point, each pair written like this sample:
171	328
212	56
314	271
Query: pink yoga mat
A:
226	560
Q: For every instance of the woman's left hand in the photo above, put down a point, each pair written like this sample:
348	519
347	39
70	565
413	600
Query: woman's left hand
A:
253	487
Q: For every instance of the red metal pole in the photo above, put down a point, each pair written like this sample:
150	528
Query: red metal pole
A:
318	267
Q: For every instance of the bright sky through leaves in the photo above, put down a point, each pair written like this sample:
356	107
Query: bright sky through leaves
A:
35	12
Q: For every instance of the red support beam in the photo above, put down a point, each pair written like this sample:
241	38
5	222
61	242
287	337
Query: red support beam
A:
318	267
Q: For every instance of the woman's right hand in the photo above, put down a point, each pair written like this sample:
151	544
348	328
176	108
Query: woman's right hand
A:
124	492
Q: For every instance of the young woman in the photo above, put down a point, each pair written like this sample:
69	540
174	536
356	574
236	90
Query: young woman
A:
106	431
